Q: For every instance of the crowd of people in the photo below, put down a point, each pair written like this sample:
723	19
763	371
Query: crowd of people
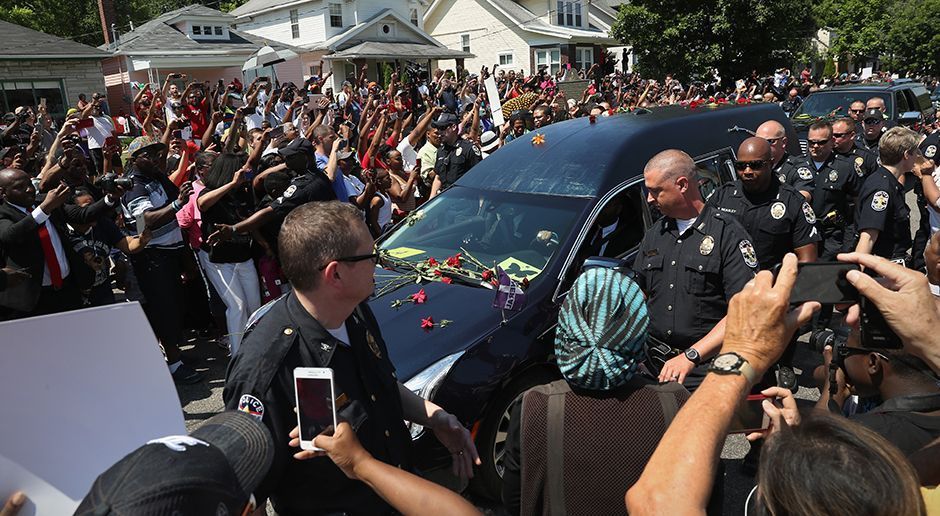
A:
210	199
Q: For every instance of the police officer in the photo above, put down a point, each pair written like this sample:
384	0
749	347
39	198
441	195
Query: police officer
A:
690	263
882	216
873	127
329	258
776	216
455	156
836	187
789	169
926	190
310	184
846	148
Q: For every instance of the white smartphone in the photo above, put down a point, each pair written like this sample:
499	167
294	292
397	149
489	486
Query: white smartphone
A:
316	403
141	224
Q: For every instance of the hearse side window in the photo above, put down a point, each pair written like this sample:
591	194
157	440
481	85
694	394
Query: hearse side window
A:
903	105
713	172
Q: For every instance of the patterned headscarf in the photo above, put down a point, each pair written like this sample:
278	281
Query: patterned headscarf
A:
602	328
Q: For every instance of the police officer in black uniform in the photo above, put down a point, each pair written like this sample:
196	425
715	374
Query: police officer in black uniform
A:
790	170
776	216
873	127
836	187
882	216
454	157
928	147
328	256
846	148
690	263
309	185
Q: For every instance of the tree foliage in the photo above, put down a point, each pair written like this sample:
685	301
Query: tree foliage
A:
913	38
78	20
689	38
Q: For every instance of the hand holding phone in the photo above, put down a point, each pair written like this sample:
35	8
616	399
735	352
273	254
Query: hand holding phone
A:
749	417
824	282
85	123
316	403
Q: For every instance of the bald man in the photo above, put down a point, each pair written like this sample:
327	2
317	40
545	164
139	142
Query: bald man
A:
690	263
777	217
788	169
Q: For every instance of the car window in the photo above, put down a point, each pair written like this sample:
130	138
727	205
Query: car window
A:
923	97
902	102
834	104
713	172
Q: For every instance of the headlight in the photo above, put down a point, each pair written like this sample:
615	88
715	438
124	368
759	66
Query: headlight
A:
425	384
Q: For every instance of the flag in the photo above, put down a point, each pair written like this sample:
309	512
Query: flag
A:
509	295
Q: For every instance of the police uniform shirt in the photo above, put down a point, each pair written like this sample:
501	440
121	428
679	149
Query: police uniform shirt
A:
778	220
793	171
872	147
311	186
453	161
881	206
836	185
260	381
862	161
689	278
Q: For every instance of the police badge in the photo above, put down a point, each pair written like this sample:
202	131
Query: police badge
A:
879	202
290	191
833	176
930	151
459	151
707	245
778	210
747	251
370	340
808	213
859	161
805	173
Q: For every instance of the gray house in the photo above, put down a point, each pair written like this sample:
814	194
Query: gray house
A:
35	65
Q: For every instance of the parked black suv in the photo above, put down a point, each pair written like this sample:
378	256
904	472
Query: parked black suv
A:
907	103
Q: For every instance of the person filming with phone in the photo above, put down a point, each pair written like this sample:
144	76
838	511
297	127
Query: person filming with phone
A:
328	255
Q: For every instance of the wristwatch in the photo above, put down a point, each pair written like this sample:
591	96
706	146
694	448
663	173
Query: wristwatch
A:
693	355
733	363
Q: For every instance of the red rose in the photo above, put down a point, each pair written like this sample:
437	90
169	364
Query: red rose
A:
432	262
487	275
427	323
419	297
447	280
454	261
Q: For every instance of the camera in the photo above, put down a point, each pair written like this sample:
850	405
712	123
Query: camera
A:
822	337
110	182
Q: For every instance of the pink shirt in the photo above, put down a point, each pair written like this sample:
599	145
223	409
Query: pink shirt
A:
190	218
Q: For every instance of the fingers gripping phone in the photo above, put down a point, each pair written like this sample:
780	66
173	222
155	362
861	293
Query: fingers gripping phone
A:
316	403
750	416
824	282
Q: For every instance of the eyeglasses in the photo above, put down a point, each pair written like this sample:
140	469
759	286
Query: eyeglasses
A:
840	135
845	352
374	256
753	165
856	111
773	141
871	121
817	142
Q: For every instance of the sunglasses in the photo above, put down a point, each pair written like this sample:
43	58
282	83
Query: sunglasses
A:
817	142
753	165
856	110
840	135
374	256
773	141
872	121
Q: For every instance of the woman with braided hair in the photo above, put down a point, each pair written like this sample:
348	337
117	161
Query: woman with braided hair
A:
588	436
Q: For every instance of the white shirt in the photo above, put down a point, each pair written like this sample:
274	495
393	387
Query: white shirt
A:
409	156
97	133
42	219
684	224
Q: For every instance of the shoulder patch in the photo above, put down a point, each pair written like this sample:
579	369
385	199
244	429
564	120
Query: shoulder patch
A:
879	202
782	178
476	150
930	151
290	191
459	151
252	406
747	251
808	213
805	173
778	210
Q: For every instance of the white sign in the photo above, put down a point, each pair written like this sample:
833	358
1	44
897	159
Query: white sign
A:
83	389
866	73
496	107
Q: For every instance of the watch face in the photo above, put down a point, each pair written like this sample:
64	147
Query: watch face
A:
692	354
727	361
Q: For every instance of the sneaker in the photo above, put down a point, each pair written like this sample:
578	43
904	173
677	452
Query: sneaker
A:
186	375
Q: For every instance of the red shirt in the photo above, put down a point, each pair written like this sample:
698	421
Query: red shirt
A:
198	117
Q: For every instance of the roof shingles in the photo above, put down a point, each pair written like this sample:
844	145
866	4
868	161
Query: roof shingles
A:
21	41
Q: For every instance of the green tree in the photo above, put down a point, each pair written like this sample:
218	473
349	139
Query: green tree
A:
912	43
689	38
859	26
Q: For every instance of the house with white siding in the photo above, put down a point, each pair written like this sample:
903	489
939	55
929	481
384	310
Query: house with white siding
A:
342	36
524	34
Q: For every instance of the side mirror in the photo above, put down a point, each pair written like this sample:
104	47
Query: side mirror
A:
616	264
909	117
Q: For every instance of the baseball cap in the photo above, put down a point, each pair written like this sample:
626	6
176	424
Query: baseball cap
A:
143	143
873	113
214	470
444	121
489	141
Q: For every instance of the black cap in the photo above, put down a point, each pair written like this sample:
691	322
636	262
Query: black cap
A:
445	120
212	471
873	113
298	146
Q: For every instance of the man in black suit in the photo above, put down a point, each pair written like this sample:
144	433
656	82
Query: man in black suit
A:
32	241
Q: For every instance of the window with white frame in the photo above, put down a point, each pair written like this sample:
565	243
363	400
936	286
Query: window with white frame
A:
550	58
568	13
315	70
465	42
584	57
294	24
336	15
505	58
414	17
208	31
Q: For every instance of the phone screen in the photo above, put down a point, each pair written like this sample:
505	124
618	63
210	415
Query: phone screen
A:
824	282
85	123
314	406
141	224
749	416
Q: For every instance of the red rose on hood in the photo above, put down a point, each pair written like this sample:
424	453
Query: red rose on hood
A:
427	323
432	262
454	261
419	297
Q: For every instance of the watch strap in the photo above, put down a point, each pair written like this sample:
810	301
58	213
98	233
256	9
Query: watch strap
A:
748	372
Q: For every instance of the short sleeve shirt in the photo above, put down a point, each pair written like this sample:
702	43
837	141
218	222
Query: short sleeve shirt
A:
796	173
881	207
309	187
862	161
453	162
689	278
147	194
779	220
